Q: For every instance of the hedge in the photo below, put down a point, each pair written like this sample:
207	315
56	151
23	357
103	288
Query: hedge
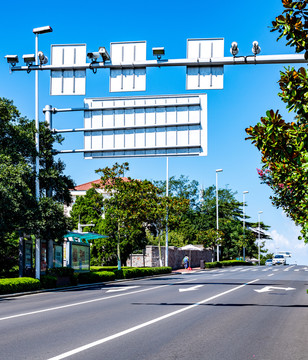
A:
49	281
128	273
219	264
14	285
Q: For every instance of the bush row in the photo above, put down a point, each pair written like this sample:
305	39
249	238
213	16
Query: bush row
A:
14	285
220	264
128	273
51	279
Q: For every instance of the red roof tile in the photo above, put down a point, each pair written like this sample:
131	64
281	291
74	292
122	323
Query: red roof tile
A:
88	185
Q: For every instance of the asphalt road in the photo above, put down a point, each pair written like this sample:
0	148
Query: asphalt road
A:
234	313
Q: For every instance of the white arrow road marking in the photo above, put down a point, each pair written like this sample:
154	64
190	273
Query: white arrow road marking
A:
269	288
191	288
121	289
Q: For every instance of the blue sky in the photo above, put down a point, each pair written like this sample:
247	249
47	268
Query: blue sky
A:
248	90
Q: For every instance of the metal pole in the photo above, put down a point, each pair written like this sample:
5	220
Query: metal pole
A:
37	161
167	194
217	219
259	213
48	115
197	62
244	192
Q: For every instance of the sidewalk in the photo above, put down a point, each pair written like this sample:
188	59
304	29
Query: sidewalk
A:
186	271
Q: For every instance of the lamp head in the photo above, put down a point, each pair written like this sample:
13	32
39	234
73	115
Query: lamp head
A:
42	30
219	170
245	192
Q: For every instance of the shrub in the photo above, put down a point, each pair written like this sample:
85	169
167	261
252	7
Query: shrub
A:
48	282
14	285
95	277
128	273
60	271
220	264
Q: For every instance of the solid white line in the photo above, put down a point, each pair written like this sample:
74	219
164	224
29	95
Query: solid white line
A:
140	326
90	301
126	288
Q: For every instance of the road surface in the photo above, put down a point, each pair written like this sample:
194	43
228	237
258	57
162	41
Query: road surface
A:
232	313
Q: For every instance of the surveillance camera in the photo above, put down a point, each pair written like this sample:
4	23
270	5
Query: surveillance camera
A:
93	55
234	48
42	57
256	48
29	59
158	51
104	53
12	59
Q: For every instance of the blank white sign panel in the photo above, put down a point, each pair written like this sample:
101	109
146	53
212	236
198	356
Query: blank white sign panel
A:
205	77
127	79
171	125
68	82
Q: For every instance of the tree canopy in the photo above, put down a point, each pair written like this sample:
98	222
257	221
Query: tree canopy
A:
283	144
19	209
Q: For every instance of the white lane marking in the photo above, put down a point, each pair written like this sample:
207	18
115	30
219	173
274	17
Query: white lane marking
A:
254	270
265	270
191	288
270	274
140	326
276	270
92	301
296	269
269	288
121	289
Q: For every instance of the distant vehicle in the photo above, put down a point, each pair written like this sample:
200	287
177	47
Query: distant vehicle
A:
279	260
285	253
269	262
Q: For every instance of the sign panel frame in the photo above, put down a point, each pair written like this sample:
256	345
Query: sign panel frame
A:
127	79
204	77
145	126
68	82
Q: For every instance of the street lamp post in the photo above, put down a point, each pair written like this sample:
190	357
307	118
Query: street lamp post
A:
244	193
167	194
37	32
217	220
259	213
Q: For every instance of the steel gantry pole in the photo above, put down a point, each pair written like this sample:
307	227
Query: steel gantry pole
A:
244	193
217	217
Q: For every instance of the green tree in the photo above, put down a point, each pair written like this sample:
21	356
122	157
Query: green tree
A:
284	145
230	224
19	209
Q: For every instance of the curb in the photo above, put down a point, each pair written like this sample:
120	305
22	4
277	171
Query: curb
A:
68	288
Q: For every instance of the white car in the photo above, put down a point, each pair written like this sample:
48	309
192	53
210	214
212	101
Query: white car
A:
279	260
